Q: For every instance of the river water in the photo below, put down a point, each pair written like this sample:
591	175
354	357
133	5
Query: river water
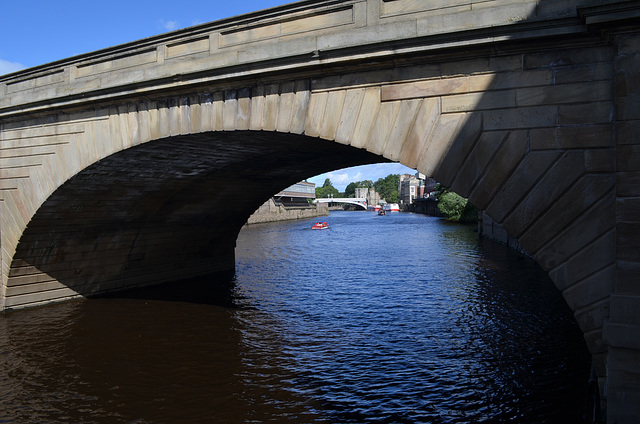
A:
401	318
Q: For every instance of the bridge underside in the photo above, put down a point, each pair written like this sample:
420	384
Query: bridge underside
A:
160	211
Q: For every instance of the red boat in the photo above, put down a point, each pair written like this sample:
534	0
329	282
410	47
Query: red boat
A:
320	226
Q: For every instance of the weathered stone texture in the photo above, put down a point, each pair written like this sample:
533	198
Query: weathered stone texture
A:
113	165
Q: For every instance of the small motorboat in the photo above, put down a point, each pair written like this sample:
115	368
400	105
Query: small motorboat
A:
320	226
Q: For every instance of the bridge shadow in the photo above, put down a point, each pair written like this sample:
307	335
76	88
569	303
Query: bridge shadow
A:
215	289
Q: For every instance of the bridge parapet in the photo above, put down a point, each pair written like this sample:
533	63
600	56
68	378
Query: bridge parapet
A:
306	33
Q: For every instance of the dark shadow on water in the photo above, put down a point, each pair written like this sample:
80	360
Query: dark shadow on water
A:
217	289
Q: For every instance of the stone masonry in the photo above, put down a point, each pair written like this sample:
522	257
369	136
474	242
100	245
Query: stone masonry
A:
114	164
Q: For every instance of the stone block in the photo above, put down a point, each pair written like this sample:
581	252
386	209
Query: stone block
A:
520	182
628	108
628	241
337	17
244	109
101	66
520	118
332	113
627	277
627	64
572	137
287	101
426	118
268	51
271	107
439	142
625	309
511	80
421	89
476	17
382	127
230	110
583	73
566	58
348	116
366	117
479	157
627	84
624	369
466	138
246	35
628	158
479	101
502	164
627	209
591	290
564	93
38	298
588	264
591	318
596	347
622	335
586	228
628	184
257	108
561	212
402	7
187	47
315	115
366	36
600	161
35	81
402	125
622	405
590	113
300	107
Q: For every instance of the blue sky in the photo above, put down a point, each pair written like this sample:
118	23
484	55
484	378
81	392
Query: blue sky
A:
42	31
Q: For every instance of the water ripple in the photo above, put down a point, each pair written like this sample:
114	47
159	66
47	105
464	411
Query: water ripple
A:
396	319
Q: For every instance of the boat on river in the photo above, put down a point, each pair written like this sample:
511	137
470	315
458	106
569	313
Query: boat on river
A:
320	226
392	207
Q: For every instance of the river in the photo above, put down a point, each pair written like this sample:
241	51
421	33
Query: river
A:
401	318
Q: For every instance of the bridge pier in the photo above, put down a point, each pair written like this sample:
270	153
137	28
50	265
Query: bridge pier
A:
621	332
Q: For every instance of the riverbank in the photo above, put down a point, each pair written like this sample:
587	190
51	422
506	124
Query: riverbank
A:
272	212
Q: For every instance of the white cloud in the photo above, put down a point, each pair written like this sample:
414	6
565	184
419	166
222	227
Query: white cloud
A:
7	67
169	25
343	178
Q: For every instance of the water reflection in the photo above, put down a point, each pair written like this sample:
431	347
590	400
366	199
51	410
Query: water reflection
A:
389	319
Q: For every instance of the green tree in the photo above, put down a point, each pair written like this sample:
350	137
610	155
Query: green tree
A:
350	190
387	187
456	208
326	190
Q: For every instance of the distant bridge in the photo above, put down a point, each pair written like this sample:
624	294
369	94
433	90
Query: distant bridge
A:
358	201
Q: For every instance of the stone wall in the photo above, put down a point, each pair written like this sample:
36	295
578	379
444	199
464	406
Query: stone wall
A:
622	328
490	229
270	212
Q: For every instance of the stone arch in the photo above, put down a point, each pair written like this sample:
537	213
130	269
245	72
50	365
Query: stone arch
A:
508	132
445	126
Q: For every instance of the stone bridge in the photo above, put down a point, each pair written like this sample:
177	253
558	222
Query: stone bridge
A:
115	164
